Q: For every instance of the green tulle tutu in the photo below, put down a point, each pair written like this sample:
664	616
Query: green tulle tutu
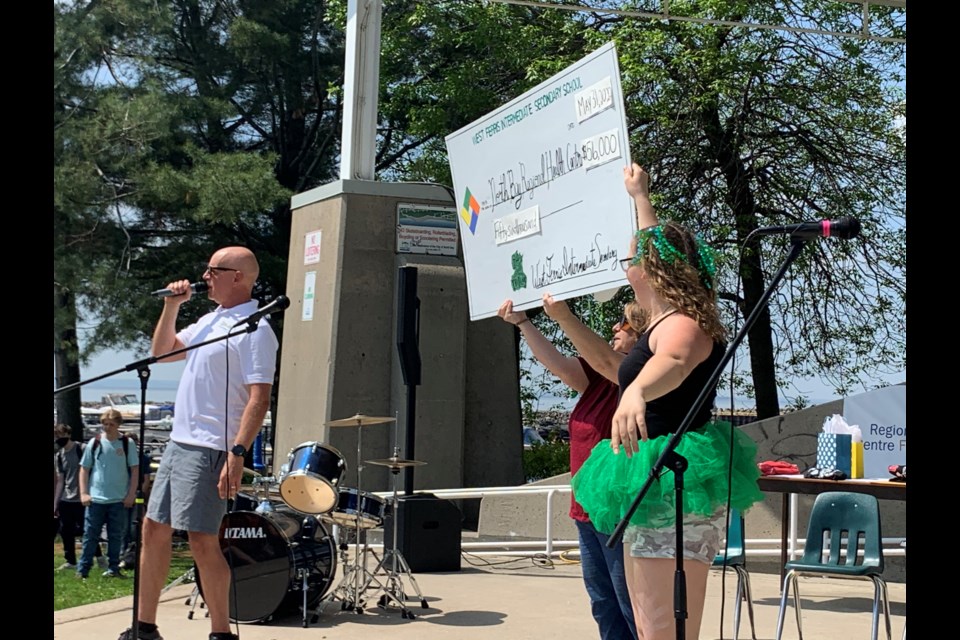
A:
608	483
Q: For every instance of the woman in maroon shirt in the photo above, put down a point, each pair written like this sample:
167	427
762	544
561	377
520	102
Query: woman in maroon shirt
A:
590	420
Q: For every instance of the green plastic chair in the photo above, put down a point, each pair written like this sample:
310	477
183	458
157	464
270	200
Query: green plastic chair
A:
735	557
842	524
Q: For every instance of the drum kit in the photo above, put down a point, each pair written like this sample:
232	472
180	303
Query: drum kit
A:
275	537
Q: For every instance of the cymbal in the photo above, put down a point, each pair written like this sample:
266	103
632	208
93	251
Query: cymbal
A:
396	463
359	420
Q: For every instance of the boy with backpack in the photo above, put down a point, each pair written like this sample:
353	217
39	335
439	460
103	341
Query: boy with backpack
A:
109	472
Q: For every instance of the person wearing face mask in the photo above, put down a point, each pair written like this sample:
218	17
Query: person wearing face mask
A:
68	511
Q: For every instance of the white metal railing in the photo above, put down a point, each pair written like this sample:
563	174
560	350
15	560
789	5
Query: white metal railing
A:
550	547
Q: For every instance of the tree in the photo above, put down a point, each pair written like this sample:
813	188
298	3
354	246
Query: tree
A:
742	128
749	127
237	105
139	194
212	113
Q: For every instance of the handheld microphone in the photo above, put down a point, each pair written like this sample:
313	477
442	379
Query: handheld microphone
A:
279	303
845	228
195	287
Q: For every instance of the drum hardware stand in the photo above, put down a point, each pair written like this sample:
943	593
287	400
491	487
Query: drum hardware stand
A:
263	493
194	599
303	572
392	586
352	595
356	577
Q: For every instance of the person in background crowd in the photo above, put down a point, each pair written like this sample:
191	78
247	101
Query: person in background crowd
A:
108	488
68	511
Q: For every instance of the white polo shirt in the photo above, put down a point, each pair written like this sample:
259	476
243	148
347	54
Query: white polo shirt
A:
212	393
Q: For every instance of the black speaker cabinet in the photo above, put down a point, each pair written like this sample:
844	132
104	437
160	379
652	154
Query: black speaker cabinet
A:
408	325
428	533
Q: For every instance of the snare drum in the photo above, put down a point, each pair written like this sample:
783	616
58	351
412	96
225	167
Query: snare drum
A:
357	508
313	477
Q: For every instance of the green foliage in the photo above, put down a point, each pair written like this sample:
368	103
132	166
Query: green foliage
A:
181	127
546	460
742	128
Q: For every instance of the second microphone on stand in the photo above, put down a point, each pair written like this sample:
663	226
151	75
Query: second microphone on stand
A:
279	303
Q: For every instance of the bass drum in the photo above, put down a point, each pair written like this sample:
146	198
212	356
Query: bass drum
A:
269	553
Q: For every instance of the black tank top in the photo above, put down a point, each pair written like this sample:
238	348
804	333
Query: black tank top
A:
666	413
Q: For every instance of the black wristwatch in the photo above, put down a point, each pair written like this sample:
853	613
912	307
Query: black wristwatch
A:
239	450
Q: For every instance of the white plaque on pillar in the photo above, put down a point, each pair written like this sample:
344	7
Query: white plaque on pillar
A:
311	248
309	291
426	229
539	187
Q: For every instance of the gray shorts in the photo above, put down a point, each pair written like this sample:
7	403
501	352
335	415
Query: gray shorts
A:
184	493
701	539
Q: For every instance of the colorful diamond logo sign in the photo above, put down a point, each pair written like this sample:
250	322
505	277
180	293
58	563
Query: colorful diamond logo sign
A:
470	211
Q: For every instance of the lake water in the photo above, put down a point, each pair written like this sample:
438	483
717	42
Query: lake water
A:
158	391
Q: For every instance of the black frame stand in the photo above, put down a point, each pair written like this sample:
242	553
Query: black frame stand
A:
408	349
142	368
671	460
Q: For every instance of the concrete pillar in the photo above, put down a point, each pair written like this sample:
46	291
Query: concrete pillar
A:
344	361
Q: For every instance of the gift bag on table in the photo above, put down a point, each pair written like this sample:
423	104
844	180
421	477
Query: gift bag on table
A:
834	451
840	446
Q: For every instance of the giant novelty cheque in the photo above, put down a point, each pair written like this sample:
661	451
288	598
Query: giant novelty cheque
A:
542	207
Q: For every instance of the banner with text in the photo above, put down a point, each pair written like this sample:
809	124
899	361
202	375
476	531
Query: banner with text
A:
882	417
542	207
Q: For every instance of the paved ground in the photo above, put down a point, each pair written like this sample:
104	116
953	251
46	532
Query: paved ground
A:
504	597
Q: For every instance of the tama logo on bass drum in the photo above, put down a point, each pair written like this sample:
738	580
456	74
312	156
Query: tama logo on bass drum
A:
232	533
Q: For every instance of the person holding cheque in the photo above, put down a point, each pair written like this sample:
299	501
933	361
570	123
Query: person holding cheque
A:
671	272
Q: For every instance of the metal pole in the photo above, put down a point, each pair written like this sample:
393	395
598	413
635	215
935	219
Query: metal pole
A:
361	89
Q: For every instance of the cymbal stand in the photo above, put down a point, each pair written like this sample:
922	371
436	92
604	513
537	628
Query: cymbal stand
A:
392	586
356	577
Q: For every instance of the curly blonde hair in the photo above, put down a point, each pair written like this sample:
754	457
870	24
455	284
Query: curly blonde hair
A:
681	278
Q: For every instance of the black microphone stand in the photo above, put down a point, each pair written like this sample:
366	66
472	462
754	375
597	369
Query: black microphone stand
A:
678	464
143	372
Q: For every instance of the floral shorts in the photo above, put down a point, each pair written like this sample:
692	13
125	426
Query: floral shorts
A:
701	539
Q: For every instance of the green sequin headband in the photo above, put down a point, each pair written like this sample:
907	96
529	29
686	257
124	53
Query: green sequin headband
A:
707	263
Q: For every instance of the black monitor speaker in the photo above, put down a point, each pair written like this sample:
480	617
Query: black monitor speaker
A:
408	325
428	532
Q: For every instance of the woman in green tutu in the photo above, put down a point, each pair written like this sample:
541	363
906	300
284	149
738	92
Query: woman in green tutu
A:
672	275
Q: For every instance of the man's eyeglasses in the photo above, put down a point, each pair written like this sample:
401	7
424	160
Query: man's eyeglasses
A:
212	270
